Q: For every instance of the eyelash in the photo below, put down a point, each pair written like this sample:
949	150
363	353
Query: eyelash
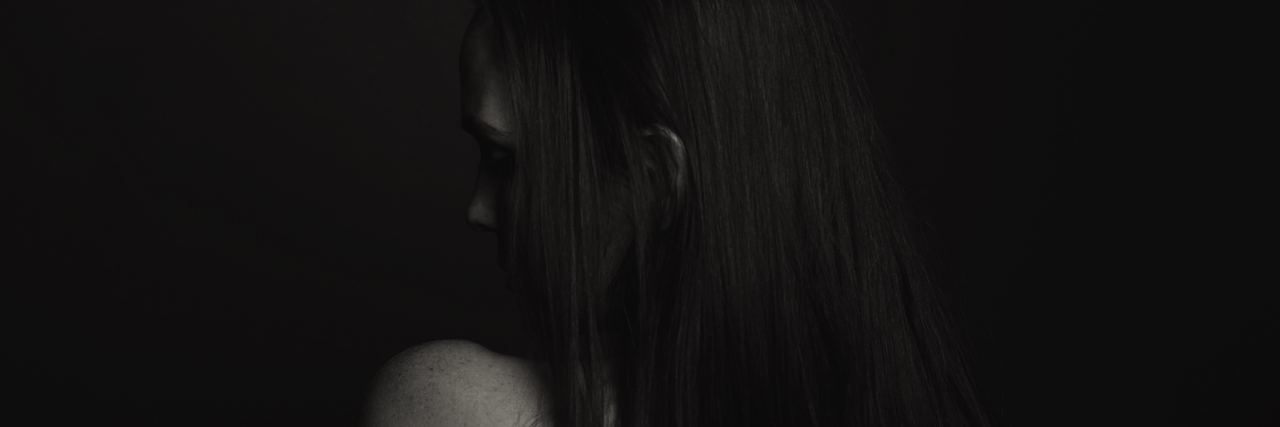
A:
498	159
494	156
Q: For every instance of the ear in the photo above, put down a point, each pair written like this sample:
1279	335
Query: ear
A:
670	165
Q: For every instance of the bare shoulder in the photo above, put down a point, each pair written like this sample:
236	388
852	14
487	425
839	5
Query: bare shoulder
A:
453	383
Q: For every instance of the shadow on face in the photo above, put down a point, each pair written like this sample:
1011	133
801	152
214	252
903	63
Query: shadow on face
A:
486	116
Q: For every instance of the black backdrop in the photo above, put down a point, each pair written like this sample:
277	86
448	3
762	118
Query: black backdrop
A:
231	212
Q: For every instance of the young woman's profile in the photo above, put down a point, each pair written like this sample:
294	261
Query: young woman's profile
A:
690	197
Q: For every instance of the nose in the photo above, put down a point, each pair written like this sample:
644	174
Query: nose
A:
481	215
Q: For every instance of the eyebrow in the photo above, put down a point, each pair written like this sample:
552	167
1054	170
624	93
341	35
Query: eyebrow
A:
485	132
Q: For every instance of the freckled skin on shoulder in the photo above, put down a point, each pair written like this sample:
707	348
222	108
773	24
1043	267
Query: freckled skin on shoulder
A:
453	383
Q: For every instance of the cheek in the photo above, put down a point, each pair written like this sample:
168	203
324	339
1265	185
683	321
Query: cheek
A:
499	194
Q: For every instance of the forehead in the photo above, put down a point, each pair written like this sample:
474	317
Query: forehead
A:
485	98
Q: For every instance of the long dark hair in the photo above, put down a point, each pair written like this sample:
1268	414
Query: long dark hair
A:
781	288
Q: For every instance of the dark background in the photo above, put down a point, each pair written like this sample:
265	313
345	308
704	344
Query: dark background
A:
232	212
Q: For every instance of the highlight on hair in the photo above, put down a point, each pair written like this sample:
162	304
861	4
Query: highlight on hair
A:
784	291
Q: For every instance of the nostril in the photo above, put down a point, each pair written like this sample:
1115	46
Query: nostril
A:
478	226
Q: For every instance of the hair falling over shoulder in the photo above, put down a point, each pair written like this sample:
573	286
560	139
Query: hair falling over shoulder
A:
783	290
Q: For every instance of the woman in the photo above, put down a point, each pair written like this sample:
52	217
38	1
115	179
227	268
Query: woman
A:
690	194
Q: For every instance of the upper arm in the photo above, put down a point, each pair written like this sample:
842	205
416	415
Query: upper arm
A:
450	383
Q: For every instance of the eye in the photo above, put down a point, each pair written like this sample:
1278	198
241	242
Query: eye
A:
498	160
493	153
